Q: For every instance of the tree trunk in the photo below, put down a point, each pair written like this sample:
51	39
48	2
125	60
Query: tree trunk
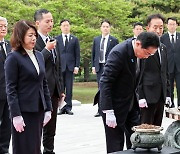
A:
86	69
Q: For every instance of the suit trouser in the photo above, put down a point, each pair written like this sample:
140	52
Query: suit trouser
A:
98	75
29	141
68	77
5	127
115	136
49	130
175	77
153	114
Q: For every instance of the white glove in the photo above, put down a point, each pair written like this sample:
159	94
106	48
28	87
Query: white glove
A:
18	123
143	103
168	101
47	117
110	118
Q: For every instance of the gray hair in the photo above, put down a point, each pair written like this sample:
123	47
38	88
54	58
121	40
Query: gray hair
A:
3	19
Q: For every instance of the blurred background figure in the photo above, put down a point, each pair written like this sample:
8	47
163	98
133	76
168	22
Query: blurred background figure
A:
5	123
102	46
172	41
70	61
137	29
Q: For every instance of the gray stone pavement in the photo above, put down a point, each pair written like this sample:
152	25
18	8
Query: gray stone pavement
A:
82	133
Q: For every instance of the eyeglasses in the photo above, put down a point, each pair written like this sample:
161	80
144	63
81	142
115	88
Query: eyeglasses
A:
148	53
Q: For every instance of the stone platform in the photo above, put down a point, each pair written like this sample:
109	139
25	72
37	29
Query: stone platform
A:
165	150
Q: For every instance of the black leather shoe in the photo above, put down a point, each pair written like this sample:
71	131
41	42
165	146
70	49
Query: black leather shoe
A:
97	115
69	112
61	112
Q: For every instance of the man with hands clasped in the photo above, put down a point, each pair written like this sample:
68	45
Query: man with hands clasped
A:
118	100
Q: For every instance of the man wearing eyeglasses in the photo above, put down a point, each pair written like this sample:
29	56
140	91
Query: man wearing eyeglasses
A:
154	87
5	124
118	101
172	41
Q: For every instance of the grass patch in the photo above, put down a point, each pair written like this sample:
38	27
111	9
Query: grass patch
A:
84	91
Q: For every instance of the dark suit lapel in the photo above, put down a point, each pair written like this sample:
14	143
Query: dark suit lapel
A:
8	46
40	42
98	45
70	41
39	63
108	45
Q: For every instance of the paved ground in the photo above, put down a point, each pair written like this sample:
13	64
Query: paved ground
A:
82	133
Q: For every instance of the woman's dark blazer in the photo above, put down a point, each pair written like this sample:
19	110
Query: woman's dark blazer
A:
25	88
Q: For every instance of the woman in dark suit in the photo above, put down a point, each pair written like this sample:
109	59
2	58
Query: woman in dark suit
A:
27	91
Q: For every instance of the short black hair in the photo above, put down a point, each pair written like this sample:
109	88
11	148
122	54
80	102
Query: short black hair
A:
148	39
172	18
137	24
154	16
63	20
107	21
38	15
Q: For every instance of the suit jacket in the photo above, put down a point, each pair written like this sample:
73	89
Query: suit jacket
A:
118	82
25	88
154	82
2	73
112	41
53	70
173	54
71	57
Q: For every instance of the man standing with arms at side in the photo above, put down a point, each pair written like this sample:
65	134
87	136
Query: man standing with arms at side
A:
154	87
102	46
117	87
5	124
50	51
70	61
172	41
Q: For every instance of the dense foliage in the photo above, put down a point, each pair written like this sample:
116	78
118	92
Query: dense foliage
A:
86	16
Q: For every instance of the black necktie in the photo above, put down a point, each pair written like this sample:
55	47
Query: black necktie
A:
66	41
101	58
2	50
172	39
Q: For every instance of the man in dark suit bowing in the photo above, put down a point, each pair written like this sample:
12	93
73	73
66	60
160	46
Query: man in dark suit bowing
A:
172	41
154	87
50	51
5	125
102	46
70	56
117	87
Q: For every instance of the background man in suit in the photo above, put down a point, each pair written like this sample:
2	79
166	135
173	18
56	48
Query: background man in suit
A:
70	56
154	87
50	51
172	41
137	29
102	45
5	125
117	87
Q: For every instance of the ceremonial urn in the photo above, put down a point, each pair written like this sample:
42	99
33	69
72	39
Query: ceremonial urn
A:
147	137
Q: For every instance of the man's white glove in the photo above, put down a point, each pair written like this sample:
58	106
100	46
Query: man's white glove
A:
47	117
143	103
110	118
168	101
18	123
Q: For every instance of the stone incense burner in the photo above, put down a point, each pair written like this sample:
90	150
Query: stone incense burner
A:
147	137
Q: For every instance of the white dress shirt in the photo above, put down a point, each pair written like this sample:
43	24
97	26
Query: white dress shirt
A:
33	59
170	36
105	46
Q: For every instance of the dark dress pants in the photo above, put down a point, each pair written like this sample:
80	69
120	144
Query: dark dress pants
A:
115	136
68	77
5	127
29	141
175	77
49	129
153	114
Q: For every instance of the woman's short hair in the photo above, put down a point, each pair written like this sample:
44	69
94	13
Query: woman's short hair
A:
19	32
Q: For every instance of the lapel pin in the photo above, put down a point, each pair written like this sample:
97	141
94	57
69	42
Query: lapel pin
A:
132	60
